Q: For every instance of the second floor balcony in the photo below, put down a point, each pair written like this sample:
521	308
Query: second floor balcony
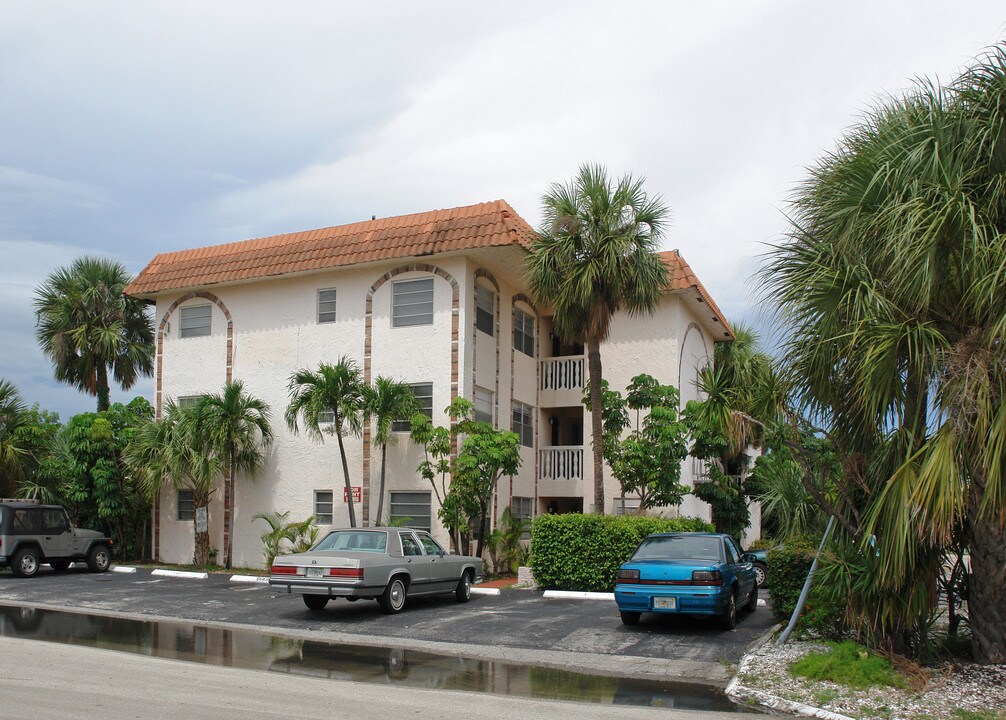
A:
561	381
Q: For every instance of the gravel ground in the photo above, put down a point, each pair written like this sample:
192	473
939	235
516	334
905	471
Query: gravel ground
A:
948	692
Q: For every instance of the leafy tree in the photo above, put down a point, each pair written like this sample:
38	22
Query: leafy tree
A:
438	458
89	329
14	456
236	426
174	450
595	256
647	462
43	437
385	402
335	389
891	288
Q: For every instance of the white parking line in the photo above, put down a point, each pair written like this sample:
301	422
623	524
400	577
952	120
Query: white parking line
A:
249	578
123	569
570	594
485	591
181	574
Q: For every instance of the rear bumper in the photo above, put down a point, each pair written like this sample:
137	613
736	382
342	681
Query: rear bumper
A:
688	600
303	586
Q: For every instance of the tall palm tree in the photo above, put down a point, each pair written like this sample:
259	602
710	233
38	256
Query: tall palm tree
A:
13	453
596	255
236	425
88	328
386	401
174	450
335	389
891	284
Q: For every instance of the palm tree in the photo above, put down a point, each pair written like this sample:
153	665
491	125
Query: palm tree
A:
386	401
175	450
13	453
88	328
892	287
335	389
236	425
596	255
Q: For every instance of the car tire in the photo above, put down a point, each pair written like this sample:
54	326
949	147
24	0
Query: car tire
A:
99	559
392	600
630	618
316	602
59	565
463	592
25	563
752	602
761	574
728	619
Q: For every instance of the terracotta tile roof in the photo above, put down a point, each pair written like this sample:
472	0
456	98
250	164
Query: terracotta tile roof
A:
491	224
681	277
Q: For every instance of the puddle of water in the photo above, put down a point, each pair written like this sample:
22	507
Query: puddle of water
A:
411	668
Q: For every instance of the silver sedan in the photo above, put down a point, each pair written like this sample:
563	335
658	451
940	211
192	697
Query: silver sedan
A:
387	564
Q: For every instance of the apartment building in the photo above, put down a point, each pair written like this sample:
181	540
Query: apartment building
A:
438	300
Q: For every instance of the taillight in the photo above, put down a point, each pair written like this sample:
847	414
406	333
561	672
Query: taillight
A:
283	569
346	572
707	577
628	576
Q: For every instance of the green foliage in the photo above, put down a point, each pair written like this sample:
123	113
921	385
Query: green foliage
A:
788	565
384	402
506	549
726	498
283	536
14	453
583	552
849	664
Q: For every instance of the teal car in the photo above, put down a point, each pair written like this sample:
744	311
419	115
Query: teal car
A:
687	574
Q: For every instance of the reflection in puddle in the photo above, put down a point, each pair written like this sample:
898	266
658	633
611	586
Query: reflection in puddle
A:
411	668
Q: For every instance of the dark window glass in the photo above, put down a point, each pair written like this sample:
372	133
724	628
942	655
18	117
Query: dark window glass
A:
523	332
326	306
186	505
423	392
485	306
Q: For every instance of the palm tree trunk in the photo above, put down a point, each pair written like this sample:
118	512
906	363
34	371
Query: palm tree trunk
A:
380	498
101	386
596	432
345	472
987	600
229	515
201	551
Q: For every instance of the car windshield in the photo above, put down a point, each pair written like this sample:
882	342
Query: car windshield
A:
359	541
679	548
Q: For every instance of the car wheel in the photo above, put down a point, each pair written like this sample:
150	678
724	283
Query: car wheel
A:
463	592
393	598
99	559
59	565
316	602
752	602
25	562
728	620
761	574
630	618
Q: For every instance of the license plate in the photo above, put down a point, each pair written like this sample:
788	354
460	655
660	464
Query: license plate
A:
313	572
665	603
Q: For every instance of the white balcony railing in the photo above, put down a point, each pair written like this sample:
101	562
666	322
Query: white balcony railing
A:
562	373
561	463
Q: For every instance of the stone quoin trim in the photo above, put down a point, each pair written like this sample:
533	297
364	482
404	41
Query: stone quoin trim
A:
368	345
522	298
158	401
497	302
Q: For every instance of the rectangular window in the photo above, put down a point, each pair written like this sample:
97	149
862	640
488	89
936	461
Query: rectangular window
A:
412	303
520	508
485	306
626	506
186	506
411	508
423	392
483	405
326	305
523	332
326	417
187	401
323	507
195	321
523	424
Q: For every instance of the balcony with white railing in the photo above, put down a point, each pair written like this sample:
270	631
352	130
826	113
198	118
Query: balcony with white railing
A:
561	381
560	469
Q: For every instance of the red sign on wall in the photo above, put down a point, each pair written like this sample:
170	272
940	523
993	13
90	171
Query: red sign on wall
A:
357	494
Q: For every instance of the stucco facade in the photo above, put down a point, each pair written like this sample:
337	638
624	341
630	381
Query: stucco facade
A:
263	328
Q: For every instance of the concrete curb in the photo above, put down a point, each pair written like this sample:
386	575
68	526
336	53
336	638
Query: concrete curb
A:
181	574
738	692
123	569
576	595
249	579
485	591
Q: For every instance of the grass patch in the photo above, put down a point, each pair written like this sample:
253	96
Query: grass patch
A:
980	715
848	664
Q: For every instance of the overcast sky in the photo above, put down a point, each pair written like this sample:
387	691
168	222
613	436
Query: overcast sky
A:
133	128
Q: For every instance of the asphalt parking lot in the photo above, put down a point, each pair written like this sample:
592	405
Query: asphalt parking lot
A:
517	626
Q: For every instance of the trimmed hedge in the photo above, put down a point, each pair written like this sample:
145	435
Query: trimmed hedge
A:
583	552
788	566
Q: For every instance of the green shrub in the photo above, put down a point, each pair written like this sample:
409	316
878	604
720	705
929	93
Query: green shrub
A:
583	552
788	565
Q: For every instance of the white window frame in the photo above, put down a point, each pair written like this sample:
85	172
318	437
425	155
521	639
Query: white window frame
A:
484	400
485	309
406	309
424	400
191	323
521	508
626	505
187	401
523	332
326	305
320	503
522	422
404	503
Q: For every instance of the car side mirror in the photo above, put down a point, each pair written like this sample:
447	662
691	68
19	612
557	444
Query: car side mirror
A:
748	557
